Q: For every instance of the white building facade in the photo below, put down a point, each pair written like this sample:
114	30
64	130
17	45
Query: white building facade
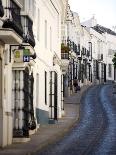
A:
47	32
32	95
43	48
103	42
17	55
76	52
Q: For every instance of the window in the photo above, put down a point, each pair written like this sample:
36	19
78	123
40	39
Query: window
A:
58	25
45	33
50	39
38	25
45	87
34	11
31	6
110	70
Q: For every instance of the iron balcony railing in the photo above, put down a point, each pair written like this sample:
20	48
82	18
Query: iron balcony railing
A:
65	56
28	30
13	17
70	44
1	9
65	48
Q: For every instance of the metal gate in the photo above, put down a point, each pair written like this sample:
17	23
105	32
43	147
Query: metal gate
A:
102	72
62	92
23	112
53	95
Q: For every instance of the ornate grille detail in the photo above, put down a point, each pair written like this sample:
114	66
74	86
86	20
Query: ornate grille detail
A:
23	112
53	95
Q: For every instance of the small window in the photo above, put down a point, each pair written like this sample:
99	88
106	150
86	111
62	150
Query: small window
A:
38	25
45	33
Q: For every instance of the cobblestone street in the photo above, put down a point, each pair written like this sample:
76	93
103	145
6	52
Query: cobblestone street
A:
95	134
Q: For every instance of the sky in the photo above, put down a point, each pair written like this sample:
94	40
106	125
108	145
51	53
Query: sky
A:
103	10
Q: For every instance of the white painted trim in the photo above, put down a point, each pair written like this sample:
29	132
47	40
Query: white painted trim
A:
17	2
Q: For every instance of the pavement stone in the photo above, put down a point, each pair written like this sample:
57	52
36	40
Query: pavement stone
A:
50	133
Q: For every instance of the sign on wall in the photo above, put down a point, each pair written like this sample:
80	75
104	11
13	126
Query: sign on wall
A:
26	55
22	55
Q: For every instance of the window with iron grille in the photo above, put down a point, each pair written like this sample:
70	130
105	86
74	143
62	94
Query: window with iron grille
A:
22	99
45	87
110	70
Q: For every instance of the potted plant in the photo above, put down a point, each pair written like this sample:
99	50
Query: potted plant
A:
64	48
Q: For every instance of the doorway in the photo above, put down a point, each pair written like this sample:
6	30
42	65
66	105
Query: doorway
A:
53	95
23	112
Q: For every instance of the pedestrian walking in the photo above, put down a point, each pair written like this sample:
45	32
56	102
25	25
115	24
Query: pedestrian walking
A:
75	84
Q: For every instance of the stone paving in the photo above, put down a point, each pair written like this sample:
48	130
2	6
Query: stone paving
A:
48	134
95	133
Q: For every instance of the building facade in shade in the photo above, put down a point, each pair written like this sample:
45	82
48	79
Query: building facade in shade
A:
103	42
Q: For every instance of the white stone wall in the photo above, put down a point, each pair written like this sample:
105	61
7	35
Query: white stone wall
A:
46	11
111	49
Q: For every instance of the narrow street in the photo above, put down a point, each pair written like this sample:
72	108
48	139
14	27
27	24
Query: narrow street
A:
95	134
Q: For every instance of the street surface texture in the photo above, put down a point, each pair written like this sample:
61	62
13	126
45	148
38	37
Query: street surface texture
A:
95	134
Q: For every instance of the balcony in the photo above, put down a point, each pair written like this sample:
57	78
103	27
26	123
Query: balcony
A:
28	30
65	57
1	9
13	18
65	48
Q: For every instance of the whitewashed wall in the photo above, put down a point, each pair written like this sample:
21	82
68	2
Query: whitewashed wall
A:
51	13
